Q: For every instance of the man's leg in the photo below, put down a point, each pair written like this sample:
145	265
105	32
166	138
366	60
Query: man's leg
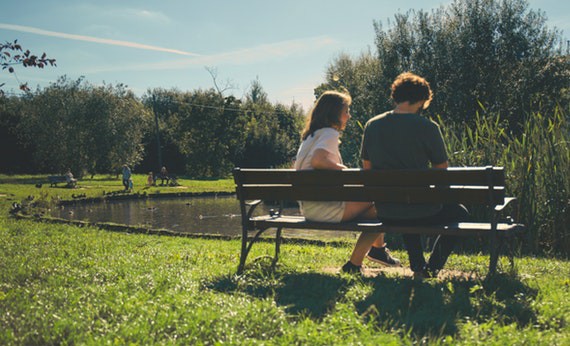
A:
444	244
442	248
415	251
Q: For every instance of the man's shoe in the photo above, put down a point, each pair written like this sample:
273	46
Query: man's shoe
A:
382	255
350	268
425	273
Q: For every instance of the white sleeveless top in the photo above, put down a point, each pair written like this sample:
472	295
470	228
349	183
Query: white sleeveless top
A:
326	138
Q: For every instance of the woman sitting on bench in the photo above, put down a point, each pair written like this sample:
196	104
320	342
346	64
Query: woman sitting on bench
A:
320	150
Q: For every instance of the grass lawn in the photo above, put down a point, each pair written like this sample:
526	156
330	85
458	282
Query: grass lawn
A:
62	284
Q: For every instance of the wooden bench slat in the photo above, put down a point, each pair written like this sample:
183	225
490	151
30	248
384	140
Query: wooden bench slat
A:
458	229
469	195
450	176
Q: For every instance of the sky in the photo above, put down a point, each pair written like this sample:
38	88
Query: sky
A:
145	44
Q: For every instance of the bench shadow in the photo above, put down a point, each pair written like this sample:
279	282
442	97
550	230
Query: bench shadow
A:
308	294
437	307
26	180
424	308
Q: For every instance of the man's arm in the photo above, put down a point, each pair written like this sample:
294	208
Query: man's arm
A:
366	165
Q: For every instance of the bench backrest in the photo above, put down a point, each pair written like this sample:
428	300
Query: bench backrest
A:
470	185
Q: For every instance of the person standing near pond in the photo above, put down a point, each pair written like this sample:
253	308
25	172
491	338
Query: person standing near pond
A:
164	176
403	139
126	177
150	179
320	150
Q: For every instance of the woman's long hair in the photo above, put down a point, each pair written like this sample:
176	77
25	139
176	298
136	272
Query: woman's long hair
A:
326	112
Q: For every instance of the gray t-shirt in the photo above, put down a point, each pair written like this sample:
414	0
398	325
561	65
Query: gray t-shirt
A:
403	141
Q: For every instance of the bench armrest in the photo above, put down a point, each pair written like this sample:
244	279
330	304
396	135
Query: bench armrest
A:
507	201
252	205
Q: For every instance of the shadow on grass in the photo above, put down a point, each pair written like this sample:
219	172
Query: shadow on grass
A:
43	179
436	307
428	308
309	294
26	180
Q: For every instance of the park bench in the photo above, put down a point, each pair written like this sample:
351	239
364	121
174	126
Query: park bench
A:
473	186
56	179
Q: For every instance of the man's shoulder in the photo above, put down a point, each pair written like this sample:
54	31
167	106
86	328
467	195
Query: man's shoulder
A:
430	123
378	117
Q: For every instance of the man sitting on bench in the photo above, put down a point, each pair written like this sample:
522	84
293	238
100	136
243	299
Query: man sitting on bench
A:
403	139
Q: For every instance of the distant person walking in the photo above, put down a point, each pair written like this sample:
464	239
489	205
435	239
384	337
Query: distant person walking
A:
127	177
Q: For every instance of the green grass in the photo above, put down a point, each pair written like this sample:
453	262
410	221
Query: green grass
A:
63	284
16	188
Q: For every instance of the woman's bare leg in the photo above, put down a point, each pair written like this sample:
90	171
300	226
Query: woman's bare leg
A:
358	210
362	210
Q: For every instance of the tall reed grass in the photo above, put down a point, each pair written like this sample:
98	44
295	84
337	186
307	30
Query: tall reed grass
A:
537	165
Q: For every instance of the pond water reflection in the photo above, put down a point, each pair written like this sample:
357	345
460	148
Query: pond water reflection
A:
211	215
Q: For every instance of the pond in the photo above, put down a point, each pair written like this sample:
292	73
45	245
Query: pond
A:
209	215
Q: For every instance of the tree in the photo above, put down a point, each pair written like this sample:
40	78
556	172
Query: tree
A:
206	134
494	53
498	53
256	94
14	157
199	130
10	56
167	108
209	132
272	131
72	124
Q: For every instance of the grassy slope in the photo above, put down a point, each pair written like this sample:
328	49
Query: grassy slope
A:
62	284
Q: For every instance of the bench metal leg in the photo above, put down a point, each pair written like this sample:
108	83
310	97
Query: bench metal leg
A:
243	253
246	248
277	246
494	256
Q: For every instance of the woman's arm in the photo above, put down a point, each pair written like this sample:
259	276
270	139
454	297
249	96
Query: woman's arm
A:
323	159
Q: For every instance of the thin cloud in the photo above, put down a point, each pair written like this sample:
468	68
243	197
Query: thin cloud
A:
261	53
128	44
266	51
150	15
